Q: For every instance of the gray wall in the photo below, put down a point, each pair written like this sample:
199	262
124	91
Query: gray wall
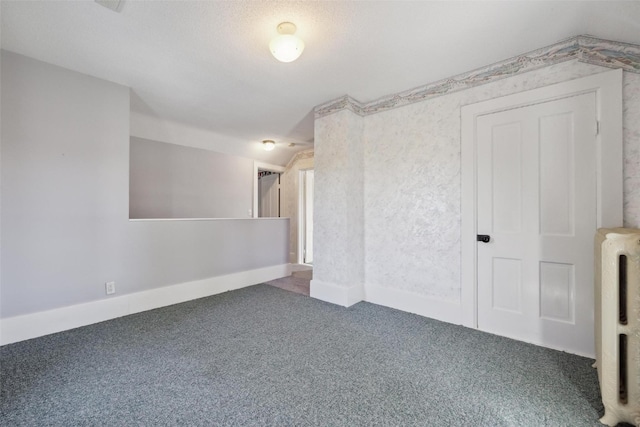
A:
173	181
64	202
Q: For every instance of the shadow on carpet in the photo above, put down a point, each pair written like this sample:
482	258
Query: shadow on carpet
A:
298	282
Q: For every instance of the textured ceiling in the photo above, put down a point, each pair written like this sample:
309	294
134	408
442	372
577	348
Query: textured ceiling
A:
207	64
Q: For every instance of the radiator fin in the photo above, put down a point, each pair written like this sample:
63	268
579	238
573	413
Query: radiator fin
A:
622	288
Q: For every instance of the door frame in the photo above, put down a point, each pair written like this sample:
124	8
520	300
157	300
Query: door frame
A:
258	166
609	165
302	213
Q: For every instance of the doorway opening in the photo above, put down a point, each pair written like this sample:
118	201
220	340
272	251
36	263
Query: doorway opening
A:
268	194
305	219
266	191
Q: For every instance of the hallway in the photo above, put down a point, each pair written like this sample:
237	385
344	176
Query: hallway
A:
301	275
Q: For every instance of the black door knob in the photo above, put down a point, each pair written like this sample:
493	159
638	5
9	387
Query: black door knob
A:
484	238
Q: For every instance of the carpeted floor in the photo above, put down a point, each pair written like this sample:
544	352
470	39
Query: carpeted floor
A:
261	356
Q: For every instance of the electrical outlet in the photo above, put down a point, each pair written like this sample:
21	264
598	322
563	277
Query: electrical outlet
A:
250	213
110	287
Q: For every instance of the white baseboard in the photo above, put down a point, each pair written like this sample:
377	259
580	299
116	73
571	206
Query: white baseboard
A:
434	308
20	328
336	294
410	302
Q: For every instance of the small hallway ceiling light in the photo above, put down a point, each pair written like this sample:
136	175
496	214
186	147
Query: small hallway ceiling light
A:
268	144
286	47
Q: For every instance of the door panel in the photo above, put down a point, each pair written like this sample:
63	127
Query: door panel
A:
556	291
506	183
556	189
536	197
506	285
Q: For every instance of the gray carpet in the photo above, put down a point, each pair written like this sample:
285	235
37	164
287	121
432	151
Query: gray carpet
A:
261	356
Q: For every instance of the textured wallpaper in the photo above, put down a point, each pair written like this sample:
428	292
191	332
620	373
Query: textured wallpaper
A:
411	205
412	199
631	150
338	200
413	179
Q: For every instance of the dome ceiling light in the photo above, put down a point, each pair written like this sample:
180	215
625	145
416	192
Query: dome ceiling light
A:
286	47
268	144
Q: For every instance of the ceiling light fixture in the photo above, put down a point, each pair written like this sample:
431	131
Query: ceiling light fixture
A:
286	47
268	144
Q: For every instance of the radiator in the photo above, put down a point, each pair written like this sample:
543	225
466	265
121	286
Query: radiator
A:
617	323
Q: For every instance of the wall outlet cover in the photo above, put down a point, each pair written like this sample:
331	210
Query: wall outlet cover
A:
110	287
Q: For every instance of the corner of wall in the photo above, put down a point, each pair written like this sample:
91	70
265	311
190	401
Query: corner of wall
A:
434	308
345	296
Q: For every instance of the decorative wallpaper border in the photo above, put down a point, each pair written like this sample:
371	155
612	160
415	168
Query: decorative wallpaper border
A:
587	49
300	155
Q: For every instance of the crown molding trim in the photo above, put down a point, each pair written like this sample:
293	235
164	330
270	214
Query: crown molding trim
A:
343	103
591	50
300	155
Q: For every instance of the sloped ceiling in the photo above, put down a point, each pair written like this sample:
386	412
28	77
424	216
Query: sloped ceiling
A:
206	64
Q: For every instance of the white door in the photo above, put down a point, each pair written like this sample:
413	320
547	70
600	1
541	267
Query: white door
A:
269	195
536	199
308	217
